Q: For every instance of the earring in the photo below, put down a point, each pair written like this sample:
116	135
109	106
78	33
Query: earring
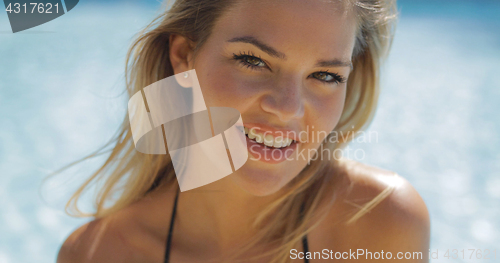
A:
186	75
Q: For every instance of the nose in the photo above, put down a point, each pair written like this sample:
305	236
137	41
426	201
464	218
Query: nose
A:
285	100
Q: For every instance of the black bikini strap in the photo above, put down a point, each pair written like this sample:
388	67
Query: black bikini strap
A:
306	248
305	245
171	229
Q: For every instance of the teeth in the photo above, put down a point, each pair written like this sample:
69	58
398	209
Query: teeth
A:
252	134
258	138
268	140
278	143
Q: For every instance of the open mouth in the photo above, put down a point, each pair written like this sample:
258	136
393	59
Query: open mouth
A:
268	140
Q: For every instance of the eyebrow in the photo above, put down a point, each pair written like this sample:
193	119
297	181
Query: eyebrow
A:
334	63
274	53
252	40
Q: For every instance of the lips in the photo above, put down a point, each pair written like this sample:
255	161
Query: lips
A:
274	131
268	139
261	152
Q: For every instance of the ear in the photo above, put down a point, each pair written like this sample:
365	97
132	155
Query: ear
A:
181	54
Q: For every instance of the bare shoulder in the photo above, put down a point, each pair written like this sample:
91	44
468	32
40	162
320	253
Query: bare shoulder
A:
96	241
383	193
379	210
128	235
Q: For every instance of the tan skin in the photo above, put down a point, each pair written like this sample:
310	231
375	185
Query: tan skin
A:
289	93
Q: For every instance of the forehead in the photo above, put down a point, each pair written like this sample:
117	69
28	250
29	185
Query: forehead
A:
321	26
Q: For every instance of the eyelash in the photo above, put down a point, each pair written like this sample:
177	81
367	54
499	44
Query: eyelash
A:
242	56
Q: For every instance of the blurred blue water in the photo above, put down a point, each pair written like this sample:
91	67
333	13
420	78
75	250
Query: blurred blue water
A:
437	123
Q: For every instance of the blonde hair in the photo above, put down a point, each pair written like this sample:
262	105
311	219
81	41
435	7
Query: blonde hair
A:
128	175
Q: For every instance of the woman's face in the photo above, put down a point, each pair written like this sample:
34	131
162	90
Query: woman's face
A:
284	66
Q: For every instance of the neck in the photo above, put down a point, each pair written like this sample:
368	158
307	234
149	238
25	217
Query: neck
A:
218	216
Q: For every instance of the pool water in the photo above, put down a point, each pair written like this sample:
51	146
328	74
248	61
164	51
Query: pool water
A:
61	97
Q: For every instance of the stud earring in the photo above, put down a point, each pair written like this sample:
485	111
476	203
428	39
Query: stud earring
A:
186	75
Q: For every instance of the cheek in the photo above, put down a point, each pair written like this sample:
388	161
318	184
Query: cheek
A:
222	88
328	110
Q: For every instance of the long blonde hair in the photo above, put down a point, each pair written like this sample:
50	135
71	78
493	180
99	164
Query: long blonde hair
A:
128	175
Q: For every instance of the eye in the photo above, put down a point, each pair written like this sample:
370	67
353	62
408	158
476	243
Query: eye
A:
250	61
328	77
254	61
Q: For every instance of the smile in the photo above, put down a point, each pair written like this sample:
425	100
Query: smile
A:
267	139
269	146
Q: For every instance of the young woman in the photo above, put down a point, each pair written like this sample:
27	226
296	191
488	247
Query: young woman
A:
286	66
